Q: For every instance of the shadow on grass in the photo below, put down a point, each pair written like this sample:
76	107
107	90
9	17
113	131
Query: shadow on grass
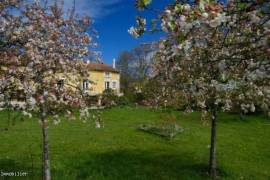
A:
139	165
8	166
119	165
246	118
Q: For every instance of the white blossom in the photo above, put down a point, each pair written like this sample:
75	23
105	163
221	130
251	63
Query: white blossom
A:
133	32
27	114
205	15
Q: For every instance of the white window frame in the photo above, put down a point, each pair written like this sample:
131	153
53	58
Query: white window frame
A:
114	84
60	84
85	84
107	74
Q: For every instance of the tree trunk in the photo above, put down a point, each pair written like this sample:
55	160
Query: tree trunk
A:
45	142
213	158
9	118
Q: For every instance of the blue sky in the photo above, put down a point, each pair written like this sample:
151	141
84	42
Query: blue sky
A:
112	19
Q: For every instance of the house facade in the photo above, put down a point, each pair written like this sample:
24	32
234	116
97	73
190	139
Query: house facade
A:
101	77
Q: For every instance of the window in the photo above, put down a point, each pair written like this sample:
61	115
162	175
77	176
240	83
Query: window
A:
114	84
60	84
107	74
85	84
107	85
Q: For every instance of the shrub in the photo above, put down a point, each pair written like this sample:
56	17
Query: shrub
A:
109	98
122	101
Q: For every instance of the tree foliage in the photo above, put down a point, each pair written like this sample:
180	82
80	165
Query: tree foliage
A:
136	65
217	54
38	46
39	43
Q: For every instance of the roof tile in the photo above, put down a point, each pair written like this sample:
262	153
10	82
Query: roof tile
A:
101	67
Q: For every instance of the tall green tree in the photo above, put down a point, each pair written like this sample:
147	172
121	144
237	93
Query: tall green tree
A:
122	65
38	44
218	55
136	65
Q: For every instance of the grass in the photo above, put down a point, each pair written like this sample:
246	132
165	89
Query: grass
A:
121	152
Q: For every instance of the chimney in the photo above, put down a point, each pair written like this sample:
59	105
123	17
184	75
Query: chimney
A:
114	63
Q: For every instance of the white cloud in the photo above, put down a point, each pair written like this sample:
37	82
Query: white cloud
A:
95	8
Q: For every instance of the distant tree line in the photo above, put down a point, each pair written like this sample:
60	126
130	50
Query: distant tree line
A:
135	66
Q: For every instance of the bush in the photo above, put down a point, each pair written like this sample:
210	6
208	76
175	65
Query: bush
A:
122	101
109	98
91	100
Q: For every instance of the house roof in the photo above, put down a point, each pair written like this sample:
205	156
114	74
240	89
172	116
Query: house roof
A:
101	67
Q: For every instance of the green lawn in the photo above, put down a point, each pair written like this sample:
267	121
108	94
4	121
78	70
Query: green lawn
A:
119	151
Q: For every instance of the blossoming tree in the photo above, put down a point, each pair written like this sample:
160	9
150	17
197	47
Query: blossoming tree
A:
38	44
217	54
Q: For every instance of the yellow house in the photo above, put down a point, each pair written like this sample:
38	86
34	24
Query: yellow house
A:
101	77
